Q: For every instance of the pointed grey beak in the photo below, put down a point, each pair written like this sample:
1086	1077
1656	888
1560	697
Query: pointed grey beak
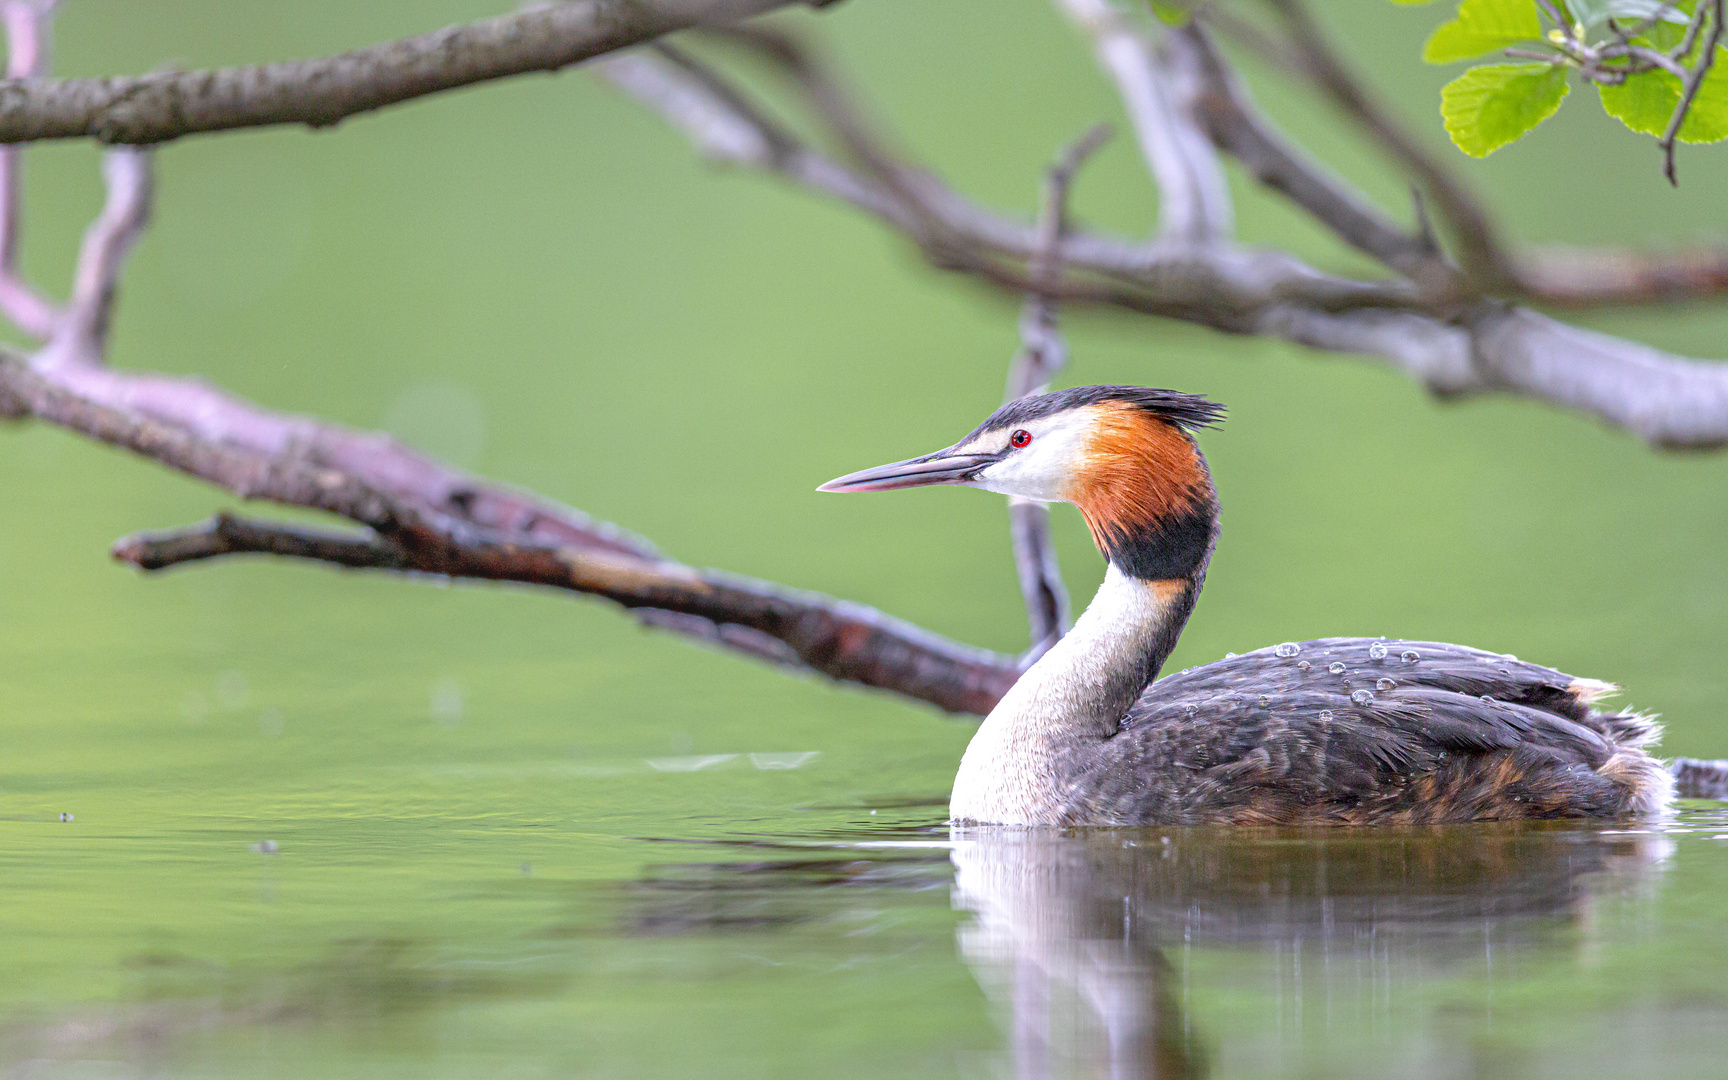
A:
941	467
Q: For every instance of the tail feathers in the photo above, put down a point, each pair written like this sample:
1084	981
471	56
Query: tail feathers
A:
1649	786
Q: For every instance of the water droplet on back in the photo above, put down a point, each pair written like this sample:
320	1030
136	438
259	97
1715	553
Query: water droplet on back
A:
1287	650
1409	656
1376	651
1303	665
1336	667
1361	697
1384	684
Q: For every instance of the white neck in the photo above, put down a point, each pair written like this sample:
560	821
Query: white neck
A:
1075	696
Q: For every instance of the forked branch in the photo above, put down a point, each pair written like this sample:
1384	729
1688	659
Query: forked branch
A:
1431	321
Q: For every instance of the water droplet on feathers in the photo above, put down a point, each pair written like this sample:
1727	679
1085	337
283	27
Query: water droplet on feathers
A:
1376	651
1325	716
1336	667
1409	656
1362	697
1303	665
1287	650
1384	684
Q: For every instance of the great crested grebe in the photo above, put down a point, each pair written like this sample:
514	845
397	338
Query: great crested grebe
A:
1333	731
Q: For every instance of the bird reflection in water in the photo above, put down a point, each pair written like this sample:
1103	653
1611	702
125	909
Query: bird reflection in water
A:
1072	933
1082	938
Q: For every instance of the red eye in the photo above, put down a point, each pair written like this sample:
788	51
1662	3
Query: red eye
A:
1020	438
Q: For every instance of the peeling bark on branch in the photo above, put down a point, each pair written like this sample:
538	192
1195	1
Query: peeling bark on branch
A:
142	109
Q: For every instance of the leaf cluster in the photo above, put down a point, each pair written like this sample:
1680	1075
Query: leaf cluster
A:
1639	54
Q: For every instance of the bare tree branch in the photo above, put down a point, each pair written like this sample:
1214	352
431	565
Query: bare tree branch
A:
1453	344
1214	284
1042	354
1193	197
142	109
424	517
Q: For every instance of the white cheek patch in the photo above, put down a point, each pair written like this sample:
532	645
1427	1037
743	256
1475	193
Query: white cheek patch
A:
1043	469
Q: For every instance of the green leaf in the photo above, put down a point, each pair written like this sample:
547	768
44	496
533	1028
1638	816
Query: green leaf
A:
1487	107
1646	102
1482	27
1170	14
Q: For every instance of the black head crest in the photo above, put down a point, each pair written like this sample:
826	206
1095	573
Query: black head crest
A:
1189	412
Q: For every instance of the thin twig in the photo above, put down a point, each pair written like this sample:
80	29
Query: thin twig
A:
1690	86
1041	355
82	336
27	23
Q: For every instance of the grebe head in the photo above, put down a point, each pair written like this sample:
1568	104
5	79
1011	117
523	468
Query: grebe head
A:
1125	455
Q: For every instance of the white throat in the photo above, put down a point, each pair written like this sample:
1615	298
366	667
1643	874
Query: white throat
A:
1016	768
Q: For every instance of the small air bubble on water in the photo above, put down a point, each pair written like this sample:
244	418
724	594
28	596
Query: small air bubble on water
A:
1361	697
1384	684
1376	651
1288	649
231	690
1303	665
1336	667
446	703
1409	656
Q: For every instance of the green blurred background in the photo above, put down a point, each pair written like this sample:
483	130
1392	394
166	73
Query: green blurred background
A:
539	280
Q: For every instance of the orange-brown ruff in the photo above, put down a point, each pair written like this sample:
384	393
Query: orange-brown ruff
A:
1135	471
1335	731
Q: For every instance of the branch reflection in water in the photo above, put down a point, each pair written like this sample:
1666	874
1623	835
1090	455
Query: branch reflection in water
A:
1092	944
